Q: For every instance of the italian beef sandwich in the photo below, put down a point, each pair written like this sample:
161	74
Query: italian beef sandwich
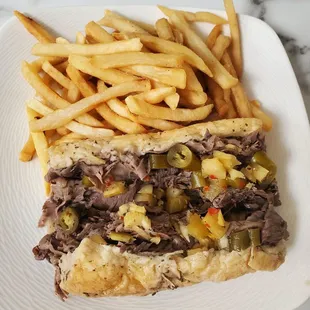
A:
136	214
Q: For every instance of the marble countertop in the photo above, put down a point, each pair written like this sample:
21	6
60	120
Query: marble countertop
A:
289	18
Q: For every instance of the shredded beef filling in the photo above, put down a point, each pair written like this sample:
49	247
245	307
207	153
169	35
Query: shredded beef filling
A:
242	208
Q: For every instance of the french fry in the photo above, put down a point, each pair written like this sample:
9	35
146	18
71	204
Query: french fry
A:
211	39
168	47
79	81
157	95
49	134
169	76
159	124
37	64
61	40
231	113
164	30
41	146
121	109
140	107
71	137
227	63
192	83
172	101
64	50
235	49
220	75
63	131
195	17
61	117
95	133
97	33
89	132
240	99
210	18
147	27
177	35
34	28
256	103
118	106
110	76
220	46
36	82
121	123
137	58
79	38
191	98
217	95
28	150
57	75
120	23
259	113
62	66
73	93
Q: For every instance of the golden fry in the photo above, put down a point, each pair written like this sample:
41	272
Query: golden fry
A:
157	95
140	107
169	76
164	30
36	82
195	17
119	122
137	58
191	98
61	117
79	81
95	133
28	150
172	101
220	75
37	64
80	39
220	46
240	99
97	33
159	124
259	113
64	50
236	51
41	146
192	83
34	28
168	47
110	76
215	32
120	23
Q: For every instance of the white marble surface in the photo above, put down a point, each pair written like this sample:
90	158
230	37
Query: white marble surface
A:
290	19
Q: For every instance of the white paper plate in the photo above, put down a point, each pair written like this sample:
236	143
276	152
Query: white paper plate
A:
268	76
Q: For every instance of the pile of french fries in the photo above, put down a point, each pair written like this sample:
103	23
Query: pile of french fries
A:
135	79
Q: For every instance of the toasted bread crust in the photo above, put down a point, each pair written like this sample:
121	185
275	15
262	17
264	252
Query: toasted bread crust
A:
66	154
102	270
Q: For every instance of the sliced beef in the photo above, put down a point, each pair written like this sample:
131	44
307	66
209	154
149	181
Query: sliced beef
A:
197	202
172	177
95	198
135	164
80	168
275	228
243	147
146	248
